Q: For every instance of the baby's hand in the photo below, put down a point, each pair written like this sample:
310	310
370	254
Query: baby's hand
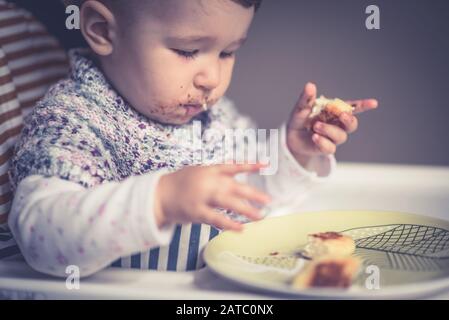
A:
190	195
324	137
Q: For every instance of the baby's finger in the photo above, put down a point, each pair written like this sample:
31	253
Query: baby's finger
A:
349	122
239	206
250	193
307	98
334	133
360	106
218	220
299	120
323	144
234	169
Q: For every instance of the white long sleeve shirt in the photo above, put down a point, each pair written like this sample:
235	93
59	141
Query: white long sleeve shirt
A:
57	223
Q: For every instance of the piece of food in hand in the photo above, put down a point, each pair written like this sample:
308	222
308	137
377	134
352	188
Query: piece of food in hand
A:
325	243
328	110
328	271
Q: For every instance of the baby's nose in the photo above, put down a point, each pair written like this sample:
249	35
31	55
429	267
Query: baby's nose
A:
209	78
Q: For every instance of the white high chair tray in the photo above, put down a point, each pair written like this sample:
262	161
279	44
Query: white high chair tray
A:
420	190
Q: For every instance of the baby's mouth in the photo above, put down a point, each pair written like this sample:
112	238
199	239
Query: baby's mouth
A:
193	109
195	106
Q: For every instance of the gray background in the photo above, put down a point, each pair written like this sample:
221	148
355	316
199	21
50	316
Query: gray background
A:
405	65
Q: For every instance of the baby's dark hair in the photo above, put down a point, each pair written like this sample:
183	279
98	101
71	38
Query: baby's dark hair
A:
246	3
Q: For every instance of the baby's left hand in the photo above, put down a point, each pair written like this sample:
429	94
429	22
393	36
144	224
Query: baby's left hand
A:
323	138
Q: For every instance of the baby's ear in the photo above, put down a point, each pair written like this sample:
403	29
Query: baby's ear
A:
98	26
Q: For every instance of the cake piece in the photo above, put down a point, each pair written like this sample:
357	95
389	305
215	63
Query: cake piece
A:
328	110
326	243
328	271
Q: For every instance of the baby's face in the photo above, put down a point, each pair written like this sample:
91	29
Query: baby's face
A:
175	53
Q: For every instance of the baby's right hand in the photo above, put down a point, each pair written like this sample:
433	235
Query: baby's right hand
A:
190	195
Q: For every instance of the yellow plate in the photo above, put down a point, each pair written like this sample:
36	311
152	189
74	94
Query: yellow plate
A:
404	255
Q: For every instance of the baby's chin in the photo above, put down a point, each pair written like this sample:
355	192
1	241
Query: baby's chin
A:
171	115
177	122
177	119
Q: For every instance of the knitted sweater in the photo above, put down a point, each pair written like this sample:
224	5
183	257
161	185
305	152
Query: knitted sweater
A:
83	131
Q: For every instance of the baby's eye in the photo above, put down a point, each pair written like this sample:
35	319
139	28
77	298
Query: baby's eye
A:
225	55
186	54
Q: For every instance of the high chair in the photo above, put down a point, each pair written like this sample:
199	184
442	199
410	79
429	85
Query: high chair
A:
30	61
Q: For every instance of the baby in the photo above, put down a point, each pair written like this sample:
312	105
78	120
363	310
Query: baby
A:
104	172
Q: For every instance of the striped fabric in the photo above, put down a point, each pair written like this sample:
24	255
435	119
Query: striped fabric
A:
10	119
30	61
9	105
183	253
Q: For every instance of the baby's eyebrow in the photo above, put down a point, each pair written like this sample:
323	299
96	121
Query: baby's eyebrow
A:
202	39
240	42
192	39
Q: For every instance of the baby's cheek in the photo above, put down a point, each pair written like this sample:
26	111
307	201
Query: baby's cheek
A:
158	109
171	114
165	110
